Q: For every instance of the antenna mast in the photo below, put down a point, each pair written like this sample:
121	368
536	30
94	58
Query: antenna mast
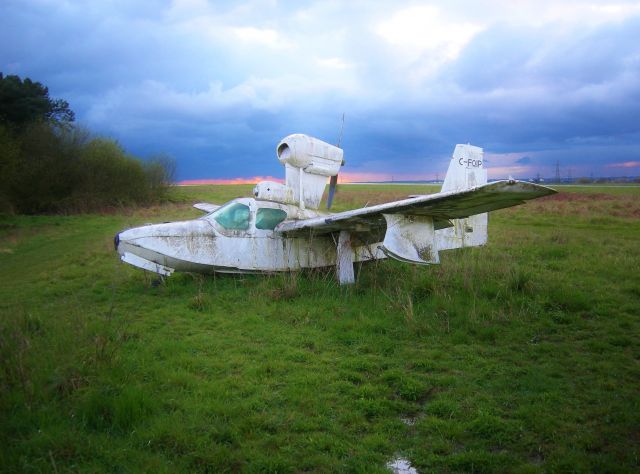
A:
341	130
333	181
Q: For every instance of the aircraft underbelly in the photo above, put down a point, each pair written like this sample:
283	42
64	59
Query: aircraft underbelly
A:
236	254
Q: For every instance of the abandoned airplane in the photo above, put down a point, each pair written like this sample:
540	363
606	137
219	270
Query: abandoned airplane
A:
281	228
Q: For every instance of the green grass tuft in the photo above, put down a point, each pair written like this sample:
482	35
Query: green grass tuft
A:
520	356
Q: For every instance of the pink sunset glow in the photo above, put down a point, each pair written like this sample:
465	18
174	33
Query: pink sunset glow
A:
239	180
625	164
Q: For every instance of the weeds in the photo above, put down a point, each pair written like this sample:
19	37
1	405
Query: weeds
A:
518	356
201	301
287	288
520	281
15	346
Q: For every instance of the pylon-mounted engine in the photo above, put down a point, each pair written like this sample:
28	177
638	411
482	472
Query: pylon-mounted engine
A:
308	162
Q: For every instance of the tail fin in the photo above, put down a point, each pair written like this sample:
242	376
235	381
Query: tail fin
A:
465	171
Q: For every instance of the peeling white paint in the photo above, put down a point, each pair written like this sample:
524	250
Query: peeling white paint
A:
412	230
344	259
411	239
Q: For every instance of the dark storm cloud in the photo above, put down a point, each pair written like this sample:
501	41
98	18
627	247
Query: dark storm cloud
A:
218	84
535	88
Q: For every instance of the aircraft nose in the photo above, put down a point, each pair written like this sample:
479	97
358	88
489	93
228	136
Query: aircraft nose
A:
116	241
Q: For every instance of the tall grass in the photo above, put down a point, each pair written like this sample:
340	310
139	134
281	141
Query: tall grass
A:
516	357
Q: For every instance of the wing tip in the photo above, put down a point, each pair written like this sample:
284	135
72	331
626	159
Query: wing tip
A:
540	188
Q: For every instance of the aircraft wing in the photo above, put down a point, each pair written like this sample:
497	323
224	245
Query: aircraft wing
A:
442	207
206	207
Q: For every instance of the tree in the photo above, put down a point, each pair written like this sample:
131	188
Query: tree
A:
161	173
48	164
26	102
9	164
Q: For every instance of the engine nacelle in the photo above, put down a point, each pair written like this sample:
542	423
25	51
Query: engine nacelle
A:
308	162
310	154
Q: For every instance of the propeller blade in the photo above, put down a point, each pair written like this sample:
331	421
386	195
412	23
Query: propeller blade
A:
332	190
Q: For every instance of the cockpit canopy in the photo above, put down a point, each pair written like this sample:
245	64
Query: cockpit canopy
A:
241	214
233	216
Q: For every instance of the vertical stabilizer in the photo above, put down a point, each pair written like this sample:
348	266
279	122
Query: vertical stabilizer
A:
465	171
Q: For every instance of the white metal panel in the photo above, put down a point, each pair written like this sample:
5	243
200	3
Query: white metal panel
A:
469	232
443	206
276	192
465	169
206	207
410	239
308	153
140	262
308	162
344	260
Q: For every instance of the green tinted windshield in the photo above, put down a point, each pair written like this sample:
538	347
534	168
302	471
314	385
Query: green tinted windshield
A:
268	219
233	216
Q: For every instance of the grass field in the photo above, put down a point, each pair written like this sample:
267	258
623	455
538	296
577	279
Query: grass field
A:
521	356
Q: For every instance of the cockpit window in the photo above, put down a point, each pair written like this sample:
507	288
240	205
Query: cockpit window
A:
268	219
234	216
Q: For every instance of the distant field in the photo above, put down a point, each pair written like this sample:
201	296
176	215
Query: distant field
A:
521	356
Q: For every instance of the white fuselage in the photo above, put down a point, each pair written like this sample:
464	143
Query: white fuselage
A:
212	243
241	236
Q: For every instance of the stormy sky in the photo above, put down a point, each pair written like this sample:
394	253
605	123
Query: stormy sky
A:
217	84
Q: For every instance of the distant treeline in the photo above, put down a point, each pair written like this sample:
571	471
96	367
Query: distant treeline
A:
48	164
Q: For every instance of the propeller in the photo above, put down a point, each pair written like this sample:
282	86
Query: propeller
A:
332	190
333	182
